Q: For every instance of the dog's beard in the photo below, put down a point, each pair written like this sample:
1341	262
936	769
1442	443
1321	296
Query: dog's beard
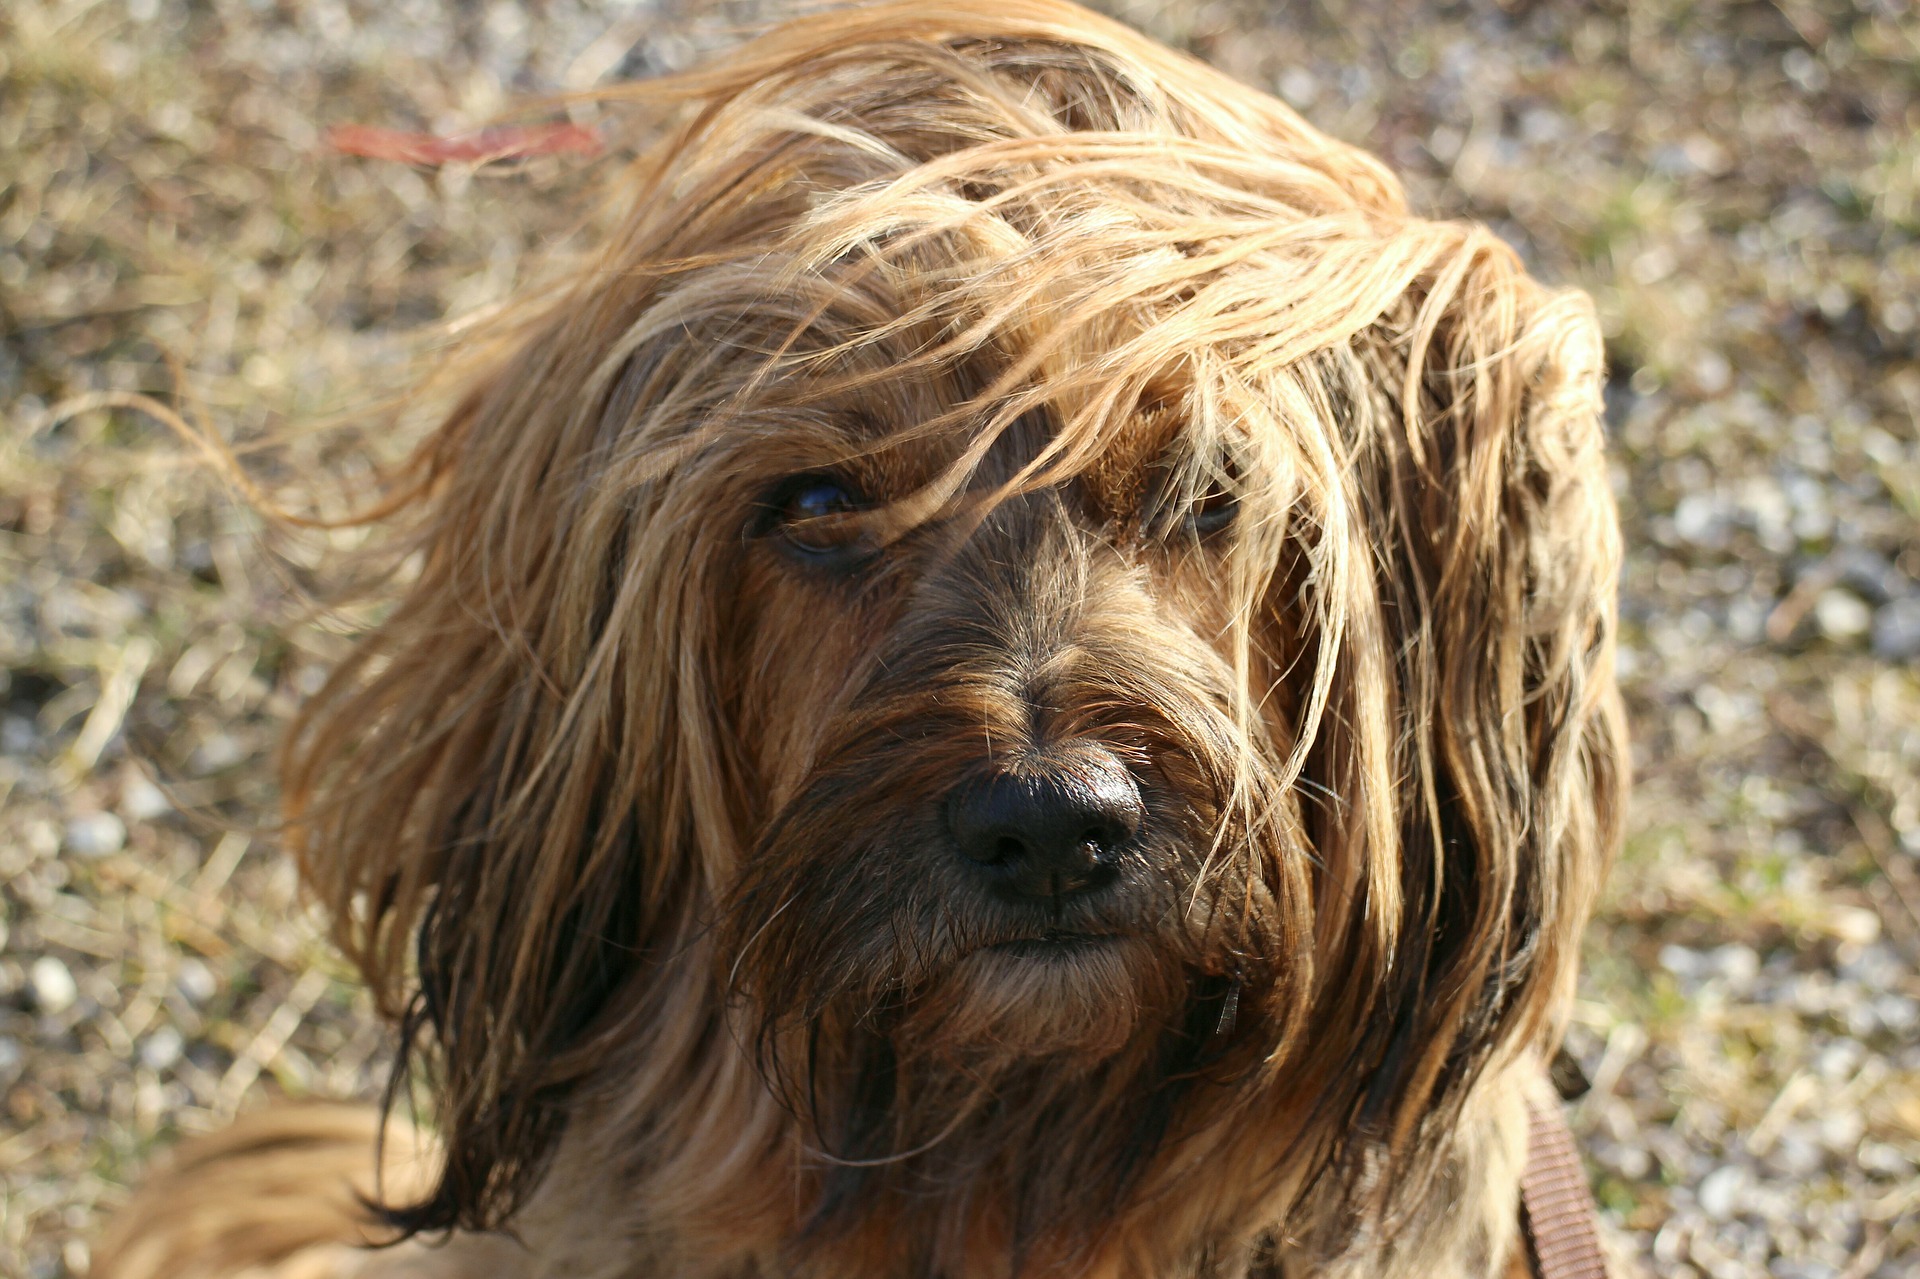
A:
1080	996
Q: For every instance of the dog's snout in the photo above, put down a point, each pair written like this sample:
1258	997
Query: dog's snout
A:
1051	827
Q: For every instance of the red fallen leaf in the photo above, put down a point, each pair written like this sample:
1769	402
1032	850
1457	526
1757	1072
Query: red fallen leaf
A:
504	142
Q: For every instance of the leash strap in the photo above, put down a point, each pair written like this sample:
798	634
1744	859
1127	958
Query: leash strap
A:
1557	1213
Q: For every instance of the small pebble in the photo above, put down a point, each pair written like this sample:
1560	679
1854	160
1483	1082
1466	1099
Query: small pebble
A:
141	800
1897	1013
41	838
53	986
17	735
195	982
161	1049
1783	1268
1854	924
1840	1131
1300	87
1698	519
1711	372
1796	1154
1679	961
1896	631
1720	1192
1837	1061
215	753
96	835
1737	963
1842	615
1885	1160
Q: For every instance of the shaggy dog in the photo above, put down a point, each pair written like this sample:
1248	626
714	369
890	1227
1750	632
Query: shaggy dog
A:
1014	679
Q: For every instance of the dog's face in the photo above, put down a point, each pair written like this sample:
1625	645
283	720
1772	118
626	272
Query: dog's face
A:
1008	842
999	750
1023	630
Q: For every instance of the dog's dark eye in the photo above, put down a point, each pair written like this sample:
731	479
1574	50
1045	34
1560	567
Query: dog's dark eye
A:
1190	506
1213	512
816	515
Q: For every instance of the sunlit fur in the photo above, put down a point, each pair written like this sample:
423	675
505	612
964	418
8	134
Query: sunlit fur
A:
630	811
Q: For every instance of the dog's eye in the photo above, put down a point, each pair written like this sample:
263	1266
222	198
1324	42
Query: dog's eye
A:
816	515
1181	505
1213	512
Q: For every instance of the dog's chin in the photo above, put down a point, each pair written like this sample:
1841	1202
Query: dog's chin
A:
1080	997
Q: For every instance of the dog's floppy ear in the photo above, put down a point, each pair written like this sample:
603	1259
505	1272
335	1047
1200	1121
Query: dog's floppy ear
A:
493	795
1473	727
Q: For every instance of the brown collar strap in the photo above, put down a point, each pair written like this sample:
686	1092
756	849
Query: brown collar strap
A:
1557	1214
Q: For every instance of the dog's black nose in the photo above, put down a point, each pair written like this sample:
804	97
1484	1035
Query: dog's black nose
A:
1051	827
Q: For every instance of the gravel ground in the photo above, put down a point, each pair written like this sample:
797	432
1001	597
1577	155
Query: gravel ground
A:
1737	183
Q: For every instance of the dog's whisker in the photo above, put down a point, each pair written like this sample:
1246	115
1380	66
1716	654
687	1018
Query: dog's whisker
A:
740	957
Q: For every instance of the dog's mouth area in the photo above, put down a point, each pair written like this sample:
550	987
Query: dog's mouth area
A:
1045	992
1056	945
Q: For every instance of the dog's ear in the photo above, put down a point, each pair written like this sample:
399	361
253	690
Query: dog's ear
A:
493	796
1472	727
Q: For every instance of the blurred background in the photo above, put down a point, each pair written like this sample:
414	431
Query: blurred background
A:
1737	183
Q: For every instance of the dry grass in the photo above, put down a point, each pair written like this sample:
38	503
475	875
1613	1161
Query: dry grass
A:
1738	183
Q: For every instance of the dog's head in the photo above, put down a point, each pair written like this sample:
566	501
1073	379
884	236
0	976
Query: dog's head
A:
1020	629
